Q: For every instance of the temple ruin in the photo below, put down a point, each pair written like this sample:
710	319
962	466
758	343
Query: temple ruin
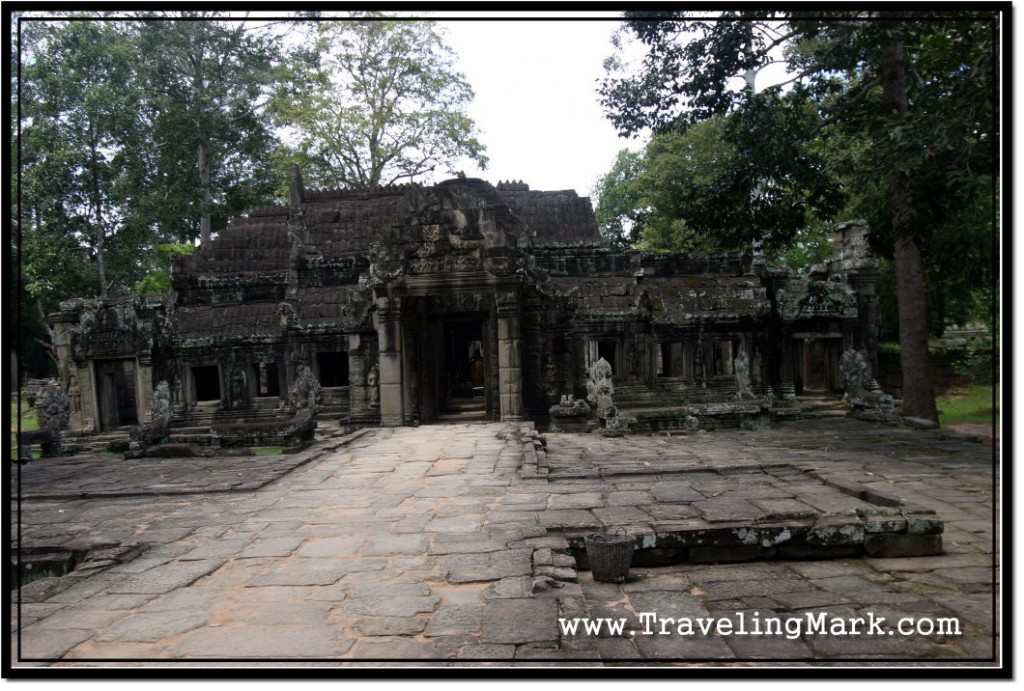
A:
409	304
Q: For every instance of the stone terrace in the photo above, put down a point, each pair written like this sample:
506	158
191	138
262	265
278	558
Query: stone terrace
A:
425	545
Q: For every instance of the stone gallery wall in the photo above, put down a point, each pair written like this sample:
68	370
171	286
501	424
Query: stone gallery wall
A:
408	303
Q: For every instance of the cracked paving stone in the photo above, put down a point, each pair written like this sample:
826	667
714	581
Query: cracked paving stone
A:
454	620
168	577
330	547
518	621
675	647
224	547
279	642
389	626
389	607
297	571
390	545
151	627
49	644
396	649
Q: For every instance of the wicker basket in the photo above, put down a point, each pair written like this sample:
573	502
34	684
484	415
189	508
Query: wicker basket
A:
610	555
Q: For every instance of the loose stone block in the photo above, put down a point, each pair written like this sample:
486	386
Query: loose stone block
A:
923	523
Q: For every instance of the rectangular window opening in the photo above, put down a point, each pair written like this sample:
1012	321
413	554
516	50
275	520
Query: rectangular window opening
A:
332	368
267	382
207	381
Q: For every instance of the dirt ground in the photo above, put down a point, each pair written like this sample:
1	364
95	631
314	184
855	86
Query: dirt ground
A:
978	429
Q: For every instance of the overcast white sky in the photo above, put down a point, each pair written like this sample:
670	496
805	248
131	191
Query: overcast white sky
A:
536	100
536	97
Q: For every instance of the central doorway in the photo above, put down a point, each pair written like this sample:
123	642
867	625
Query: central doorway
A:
465	369
115	394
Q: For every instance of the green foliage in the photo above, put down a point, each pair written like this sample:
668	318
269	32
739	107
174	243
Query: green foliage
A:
896	107
620	211
813	244
944	148
78	131
112	113
159	280
376	102
690	191
205	80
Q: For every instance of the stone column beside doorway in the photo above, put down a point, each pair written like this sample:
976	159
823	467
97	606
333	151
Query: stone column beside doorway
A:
510	369
389	337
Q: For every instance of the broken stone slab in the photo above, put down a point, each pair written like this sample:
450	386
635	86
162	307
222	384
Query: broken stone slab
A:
882	520
923	522
556	572
831	531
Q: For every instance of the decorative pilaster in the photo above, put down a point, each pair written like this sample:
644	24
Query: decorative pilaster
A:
388	320
359	397
510	370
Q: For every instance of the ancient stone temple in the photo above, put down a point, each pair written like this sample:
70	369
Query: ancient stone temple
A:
416	302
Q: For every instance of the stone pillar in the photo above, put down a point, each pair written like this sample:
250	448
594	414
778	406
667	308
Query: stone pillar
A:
359	397
510	369
144	390
388	320
411	335
89	416
787	383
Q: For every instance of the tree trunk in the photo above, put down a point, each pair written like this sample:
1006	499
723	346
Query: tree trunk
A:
101	258
918	391
203	156
101	233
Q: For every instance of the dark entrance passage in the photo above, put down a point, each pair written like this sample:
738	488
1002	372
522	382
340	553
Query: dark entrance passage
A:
115	393
816	364
207	382
465	371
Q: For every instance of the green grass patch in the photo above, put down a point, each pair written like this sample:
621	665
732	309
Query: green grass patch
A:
27	415
268	451
973	404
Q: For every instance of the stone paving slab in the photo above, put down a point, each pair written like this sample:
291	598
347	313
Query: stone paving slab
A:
353	558
112	475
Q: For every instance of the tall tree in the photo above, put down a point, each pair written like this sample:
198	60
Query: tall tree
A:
114	114
78	122
207	81
929	154
381	104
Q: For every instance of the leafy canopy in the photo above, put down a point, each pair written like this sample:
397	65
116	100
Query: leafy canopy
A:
376	102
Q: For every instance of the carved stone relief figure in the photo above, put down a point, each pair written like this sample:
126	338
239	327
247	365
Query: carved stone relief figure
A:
741	369
372	390
599	386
